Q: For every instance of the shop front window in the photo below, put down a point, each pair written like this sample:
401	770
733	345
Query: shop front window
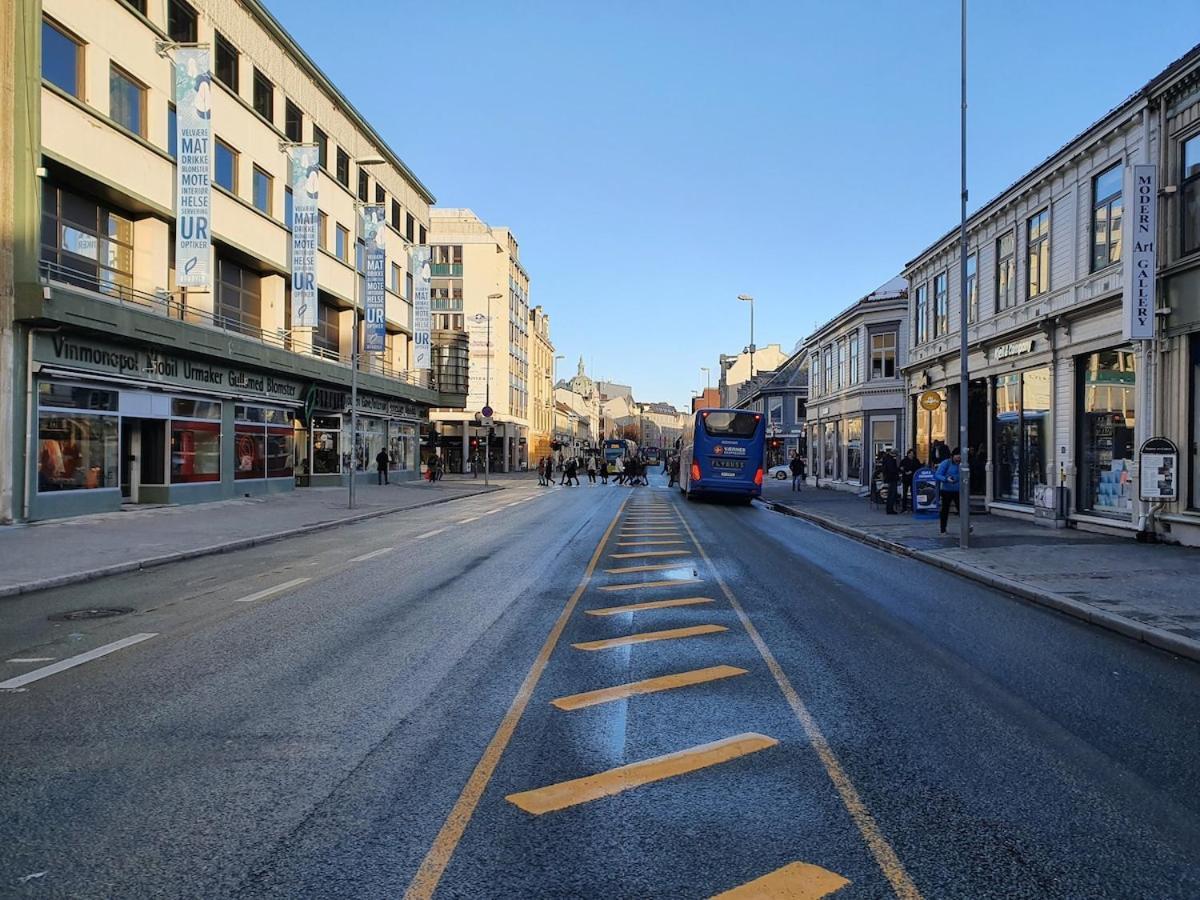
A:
1109	385
829	452
263	438
78	438
370	442
854	454
195	440
883	436
931	428
402	446
1021	433
326	445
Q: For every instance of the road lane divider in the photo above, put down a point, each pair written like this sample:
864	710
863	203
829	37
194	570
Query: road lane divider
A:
641	554
649	604
623	778
432	867
649	542
429	534
795	881
645	637
466	520
371	555
19	681
646	686
882	851
630	570
267	592
639	585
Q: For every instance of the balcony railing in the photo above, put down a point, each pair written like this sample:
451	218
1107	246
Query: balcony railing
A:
177	308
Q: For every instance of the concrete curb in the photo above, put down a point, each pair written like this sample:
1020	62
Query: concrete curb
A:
1155	637
136	565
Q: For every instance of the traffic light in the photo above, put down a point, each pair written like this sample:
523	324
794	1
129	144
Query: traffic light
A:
474	443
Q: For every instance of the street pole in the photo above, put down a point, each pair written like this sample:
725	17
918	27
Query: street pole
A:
964	376
487	402
746	298
354	360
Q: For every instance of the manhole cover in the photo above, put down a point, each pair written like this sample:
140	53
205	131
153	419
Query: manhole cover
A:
95	612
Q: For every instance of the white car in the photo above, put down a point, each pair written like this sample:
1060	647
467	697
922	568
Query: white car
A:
780	473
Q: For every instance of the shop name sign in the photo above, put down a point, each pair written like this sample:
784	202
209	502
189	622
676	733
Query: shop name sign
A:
1141	234
327	399
1016	348
147	365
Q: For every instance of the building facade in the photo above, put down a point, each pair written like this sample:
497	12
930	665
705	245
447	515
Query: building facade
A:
1060	398
709	398
735	370
782	398
141	390
479	284
856	393
541	385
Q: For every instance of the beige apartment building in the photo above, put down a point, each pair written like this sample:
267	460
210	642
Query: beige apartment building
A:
541	384
479	284
145	391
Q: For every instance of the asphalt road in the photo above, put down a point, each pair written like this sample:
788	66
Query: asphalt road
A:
408	707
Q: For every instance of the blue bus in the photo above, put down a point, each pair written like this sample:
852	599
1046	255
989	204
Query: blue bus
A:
722	454
615	449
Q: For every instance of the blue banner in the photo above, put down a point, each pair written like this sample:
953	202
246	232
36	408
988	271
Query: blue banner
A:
304	177
193	170
419	266
375	266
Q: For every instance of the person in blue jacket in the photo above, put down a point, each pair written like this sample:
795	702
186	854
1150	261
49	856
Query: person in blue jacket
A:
949	481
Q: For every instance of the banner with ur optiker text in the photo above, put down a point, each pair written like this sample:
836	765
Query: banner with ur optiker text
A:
193	111
375	266
419	265
304	177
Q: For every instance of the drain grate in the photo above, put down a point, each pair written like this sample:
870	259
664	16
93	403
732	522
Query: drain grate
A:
92	612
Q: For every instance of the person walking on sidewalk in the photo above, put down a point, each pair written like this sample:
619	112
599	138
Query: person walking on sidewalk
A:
949	479
541	470
602	470
591	469
891	479
797	469
908	468
381	466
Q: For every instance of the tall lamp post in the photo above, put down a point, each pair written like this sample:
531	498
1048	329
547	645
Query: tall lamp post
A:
707	377
487	389
746	298
964	377
360	163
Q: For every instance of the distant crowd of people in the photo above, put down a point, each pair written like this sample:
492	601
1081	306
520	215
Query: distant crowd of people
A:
631	471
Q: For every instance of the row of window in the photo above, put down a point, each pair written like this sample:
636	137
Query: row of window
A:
62	65
933	322
839	364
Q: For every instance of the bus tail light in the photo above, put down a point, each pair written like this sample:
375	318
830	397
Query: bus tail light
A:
758	477
695	471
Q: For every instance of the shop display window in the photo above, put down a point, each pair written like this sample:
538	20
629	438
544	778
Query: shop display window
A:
249	452
279	452
1108	415
854	454
262	442
326	445
402	446
1021	434
77	451
195	451
931	426
829	455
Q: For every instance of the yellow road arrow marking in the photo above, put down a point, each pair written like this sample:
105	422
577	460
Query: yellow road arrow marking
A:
795	881
646	636
623	778
646	686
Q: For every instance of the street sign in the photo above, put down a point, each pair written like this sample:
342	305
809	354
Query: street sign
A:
487	421
930	401
1159	470
487	412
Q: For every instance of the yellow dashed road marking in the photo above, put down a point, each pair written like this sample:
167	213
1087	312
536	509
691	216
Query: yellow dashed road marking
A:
649	604
623	778
647	686
795	881
657	567
643	553
638	585
646	636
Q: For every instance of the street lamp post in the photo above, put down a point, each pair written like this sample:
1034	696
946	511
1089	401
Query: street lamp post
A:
707	377
487	391
746	298
964	377
360	163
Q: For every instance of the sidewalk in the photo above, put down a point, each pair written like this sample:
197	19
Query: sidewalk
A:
1145	591
65	551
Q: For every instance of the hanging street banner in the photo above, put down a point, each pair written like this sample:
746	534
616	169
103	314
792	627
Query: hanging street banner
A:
193	170
1141	263
304	176
375	265
419	261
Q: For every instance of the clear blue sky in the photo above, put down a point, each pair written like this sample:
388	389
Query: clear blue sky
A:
656	159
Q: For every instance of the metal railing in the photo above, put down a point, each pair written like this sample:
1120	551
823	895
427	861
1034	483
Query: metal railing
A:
172	307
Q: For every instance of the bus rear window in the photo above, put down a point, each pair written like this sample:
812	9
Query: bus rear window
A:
730	424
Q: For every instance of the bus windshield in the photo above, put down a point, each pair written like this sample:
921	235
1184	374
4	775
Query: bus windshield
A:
730	424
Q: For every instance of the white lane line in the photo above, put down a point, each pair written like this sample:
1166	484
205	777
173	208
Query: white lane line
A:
429	534
73	661
491	512
514	503
465	521
258	595
373	554
31	659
